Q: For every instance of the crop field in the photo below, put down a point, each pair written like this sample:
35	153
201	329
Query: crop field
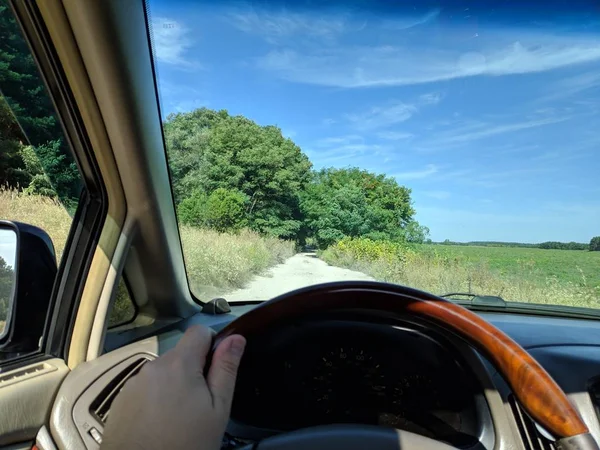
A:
579	267
531	275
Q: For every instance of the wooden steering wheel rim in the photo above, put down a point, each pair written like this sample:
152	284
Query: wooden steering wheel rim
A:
537	392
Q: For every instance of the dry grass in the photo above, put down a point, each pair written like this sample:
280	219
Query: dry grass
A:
43	212
217	262
441	274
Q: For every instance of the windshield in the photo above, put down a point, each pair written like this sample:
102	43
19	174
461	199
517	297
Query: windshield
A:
447	146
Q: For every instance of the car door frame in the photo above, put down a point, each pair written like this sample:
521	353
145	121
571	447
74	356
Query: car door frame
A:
29	383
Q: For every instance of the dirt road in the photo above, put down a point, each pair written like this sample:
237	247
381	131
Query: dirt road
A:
303	269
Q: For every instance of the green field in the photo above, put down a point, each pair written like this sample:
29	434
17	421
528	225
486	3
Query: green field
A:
530	275
579	267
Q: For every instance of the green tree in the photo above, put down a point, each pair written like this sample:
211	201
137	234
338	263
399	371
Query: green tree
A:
210	150
356	203
24	92
595	244
12	166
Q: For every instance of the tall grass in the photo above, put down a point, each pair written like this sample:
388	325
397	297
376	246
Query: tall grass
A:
43	212
438	273
215	262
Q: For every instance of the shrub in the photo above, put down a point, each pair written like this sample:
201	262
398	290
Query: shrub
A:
192	210
225	210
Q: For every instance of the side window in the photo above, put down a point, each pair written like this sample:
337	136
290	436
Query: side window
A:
40	184
123	310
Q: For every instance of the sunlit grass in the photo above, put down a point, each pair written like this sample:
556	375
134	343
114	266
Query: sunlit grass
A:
447	271
43	212
215	262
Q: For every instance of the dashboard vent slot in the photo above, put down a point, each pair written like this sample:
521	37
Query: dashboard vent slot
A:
100	407
532	437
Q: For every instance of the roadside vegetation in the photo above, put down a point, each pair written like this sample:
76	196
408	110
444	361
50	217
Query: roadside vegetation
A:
215	261
532	275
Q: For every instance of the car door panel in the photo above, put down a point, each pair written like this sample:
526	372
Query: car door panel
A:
27	394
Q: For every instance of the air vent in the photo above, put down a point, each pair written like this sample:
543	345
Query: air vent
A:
100	408
532	437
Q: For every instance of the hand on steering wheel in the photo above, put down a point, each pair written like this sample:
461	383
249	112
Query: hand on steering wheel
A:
170	404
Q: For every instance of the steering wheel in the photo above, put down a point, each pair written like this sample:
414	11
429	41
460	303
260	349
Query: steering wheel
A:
536	391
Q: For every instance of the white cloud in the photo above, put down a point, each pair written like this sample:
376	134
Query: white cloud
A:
499	129
409	22
571	86
429	170
275	27
171	42
433	98
382	116
390	65
394	135
473	131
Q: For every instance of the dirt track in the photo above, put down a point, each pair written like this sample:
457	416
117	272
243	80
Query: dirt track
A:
300	270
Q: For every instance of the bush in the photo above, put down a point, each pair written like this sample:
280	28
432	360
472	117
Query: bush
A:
192	210
223	210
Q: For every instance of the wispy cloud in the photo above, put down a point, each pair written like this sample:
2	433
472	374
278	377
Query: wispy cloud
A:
275	27
438	195
570	87
171	42
339	140
391	114
176	98
500	129
390	65
345	154
408	22
481	130
394	135
432	98
429	170
382	116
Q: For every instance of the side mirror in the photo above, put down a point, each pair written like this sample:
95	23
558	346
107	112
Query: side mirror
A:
27	272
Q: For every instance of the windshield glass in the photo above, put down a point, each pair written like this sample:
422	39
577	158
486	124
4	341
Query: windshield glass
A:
447	146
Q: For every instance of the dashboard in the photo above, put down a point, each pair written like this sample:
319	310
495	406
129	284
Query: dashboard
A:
397	373
332	371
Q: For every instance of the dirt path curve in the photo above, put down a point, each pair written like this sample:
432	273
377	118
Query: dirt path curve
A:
303	269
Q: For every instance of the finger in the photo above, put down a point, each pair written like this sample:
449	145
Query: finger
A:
194	346
223	371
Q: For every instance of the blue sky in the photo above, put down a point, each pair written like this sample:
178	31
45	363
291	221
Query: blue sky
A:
490	116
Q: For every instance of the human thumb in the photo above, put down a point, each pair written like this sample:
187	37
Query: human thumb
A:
223	371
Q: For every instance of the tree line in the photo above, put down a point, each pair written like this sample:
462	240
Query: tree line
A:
230	173
594	244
